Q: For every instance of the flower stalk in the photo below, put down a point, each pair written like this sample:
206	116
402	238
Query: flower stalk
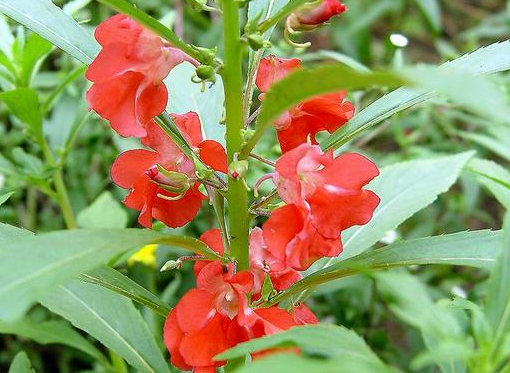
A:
237	195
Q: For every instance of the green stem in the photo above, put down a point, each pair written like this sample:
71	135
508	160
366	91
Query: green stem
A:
62	197
280	15
237	195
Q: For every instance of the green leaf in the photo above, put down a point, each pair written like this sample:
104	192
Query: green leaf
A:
404	189
476	249
24	104
34	52
306	83
432	13
268	8
494	177
316	340
498	292
4	197
487	60
10	234
114	280
111	319
32	266
409	300
495	145
474	92
208	104
51	332
50	22
21	364
104	212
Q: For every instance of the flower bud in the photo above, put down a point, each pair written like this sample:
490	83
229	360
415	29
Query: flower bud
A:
313	14
205	72
175	182
171	264
237	169
256	41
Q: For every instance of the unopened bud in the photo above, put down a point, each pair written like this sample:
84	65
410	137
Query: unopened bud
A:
256	41
175	182
171	265
237	169
206	72
313	14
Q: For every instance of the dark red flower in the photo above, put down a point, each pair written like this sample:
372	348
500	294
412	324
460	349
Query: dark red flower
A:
324	196
313	15
128	73
301	123
137	171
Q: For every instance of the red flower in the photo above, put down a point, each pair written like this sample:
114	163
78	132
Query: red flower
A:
194	333
322	113
208	320
273	69
312	16
325	196
262	261
128	75
302	122
136	170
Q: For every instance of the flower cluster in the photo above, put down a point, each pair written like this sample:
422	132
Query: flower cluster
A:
128	90
322	195
217	314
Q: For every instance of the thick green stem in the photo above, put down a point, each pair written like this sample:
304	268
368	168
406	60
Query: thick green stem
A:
237	195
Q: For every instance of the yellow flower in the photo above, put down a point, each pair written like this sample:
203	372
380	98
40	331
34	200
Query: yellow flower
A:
146	255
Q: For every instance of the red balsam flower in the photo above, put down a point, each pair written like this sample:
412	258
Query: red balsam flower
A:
137	170
216	315
313	15
302	122
324	196
128	73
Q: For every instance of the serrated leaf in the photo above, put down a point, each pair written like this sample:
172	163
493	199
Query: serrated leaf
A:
111	319
486	60
476	93
476	249
49	21
498	292
494	177
34	265
51	332
104	212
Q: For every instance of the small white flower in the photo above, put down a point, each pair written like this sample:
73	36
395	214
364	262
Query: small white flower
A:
399	40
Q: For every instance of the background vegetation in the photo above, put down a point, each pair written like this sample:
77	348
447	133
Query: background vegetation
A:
389	310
